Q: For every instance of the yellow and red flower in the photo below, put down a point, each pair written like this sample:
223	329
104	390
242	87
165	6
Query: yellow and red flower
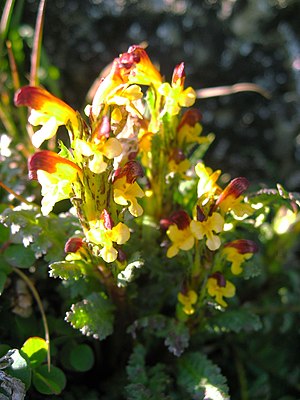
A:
189	128
103	232
231	198
126	189
57	176
239	251
175	96
179	233
208	227
46	110
218	287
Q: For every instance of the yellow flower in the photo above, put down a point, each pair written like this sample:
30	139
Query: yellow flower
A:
178	225
56	175
189	128
108	148
231	199
46	110
105	234
126	189
115	88
138	68
237	252
206	228
175	95
218	287
207	180
182	239
188	300
178	163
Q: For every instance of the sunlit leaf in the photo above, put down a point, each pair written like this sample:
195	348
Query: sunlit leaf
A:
202	379
35	348
93	316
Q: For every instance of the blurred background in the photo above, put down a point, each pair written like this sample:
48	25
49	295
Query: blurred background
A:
222	42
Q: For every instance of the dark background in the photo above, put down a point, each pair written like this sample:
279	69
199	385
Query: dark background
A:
222	42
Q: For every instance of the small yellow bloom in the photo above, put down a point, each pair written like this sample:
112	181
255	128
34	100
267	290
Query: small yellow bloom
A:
206	228
46	110
106	237
182	239
188	300
218	288
175	95
108	148
207	180
189	128
126	192
237	252
231	198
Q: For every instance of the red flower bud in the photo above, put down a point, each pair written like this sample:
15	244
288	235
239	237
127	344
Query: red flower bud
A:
107	220
73	244
132	170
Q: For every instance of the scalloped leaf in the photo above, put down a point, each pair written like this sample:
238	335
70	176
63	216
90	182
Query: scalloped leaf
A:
276	198
43	235
200	378
94	316
235	321
175	333
146	383
69	269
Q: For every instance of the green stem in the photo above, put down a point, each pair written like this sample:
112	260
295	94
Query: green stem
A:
240	369
41	308
16	195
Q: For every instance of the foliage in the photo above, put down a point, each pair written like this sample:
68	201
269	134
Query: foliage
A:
149	269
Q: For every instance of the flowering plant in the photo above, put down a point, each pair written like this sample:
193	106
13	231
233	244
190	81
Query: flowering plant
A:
160	241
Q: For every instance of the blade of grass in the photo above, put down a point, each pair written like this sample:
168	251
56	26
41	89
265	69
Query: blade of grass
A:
37	43
5	21
226	90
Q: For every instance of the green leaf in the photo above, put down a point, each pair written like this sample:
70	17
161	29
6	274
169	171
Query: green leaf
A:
82	357
175	333
93	316
19	256
35	348
44	235
235	321
20	368
202	379
49	382
146	383
69	269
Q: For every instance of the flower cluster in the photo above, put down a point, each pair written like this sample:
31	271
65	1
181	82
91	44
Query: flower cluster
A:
130	133
202	233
